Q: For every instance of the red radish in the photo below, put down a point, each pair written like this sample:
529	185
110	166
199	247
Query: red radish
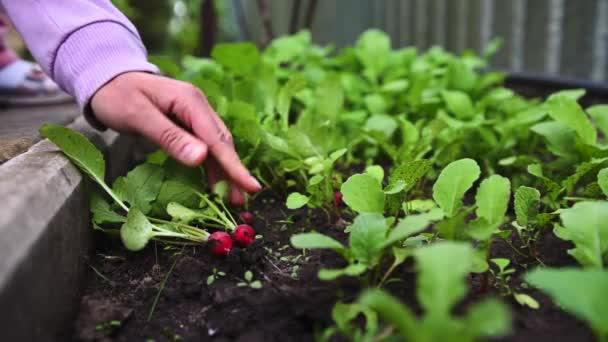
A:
338	199
244	235
222	244
247	217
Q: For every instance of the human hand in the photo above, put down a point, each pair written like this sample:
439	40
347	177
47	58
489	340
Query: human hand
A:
141	103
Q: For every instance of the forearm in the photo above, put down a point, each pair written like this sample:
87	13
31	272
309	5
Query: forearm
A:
80	44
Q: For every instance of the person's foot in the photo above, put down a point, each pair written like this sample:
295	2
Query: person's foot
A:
24	83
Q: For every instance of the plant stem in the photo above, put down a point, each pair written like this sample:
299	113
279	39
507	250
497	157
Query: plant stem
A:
193	230
229	225
105	187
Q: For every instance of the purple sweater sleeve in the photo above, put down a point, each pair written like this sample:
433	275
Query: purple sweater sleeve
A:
81	44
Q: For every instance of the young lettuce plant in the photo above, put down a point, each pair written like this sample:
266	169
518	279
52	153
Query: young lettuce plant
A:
369	239
441	284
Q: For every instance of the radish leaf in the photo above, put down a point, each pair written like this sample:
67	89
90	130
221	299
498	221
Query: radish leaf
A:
453	182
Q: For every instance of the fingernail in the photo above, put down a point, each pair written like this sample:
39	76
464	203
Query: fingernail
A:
192	152
259	186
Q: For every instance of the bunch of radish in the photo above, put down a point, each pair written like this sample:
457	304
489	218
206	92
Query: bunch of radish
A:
242	235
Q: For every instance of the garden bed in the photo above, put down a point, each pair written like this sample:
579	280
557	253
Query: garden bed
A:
407	196
284	309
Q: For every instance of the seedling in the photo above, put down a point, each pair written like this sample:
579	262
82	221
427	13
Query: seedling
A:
442	268
108	328
369	237
502	280
250	282
215	276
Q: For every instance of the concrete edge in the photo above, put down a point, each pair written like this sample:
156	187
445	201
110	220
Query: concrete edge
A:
45	235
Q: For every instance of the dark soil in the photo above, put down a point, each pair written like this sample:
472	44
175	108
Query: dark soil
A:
122	287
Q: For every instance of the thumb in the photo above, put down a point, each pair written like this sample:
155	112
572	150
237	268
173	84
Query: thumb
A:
177	142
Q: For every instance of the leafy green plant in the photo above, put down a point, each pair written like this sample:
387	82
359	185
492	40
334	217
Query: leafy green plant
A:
369	238
580	292
320	187
586	225
442	268
249	281
147	196
502	279
214	276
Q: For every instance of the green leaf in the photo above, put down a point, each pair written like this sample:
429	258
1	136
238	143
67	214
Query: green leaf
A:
352	270
537	171
395	188
599	113
373	49
579	292
315	241
158	157
293	85
396	86
442	268
240	58
408	226
176	191
141	186
367	238
376	104
490	318
602	180
375	171
81	152
564	109
581	170
459	103
184	214
343	314
136	231
493	199
411	173
561	139
329	97
527	202
381	125
461	76
101	211
389	308
363	194
526	300
453	182
586	225
296	200
481	230
256	284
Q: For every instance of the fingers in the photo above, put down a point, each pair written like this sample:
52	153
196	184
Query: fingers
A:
236	196
215	174
190	106
180	144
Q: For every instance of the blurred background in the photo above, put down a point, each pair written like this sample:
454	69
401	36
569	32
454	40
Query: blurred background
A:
568	38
